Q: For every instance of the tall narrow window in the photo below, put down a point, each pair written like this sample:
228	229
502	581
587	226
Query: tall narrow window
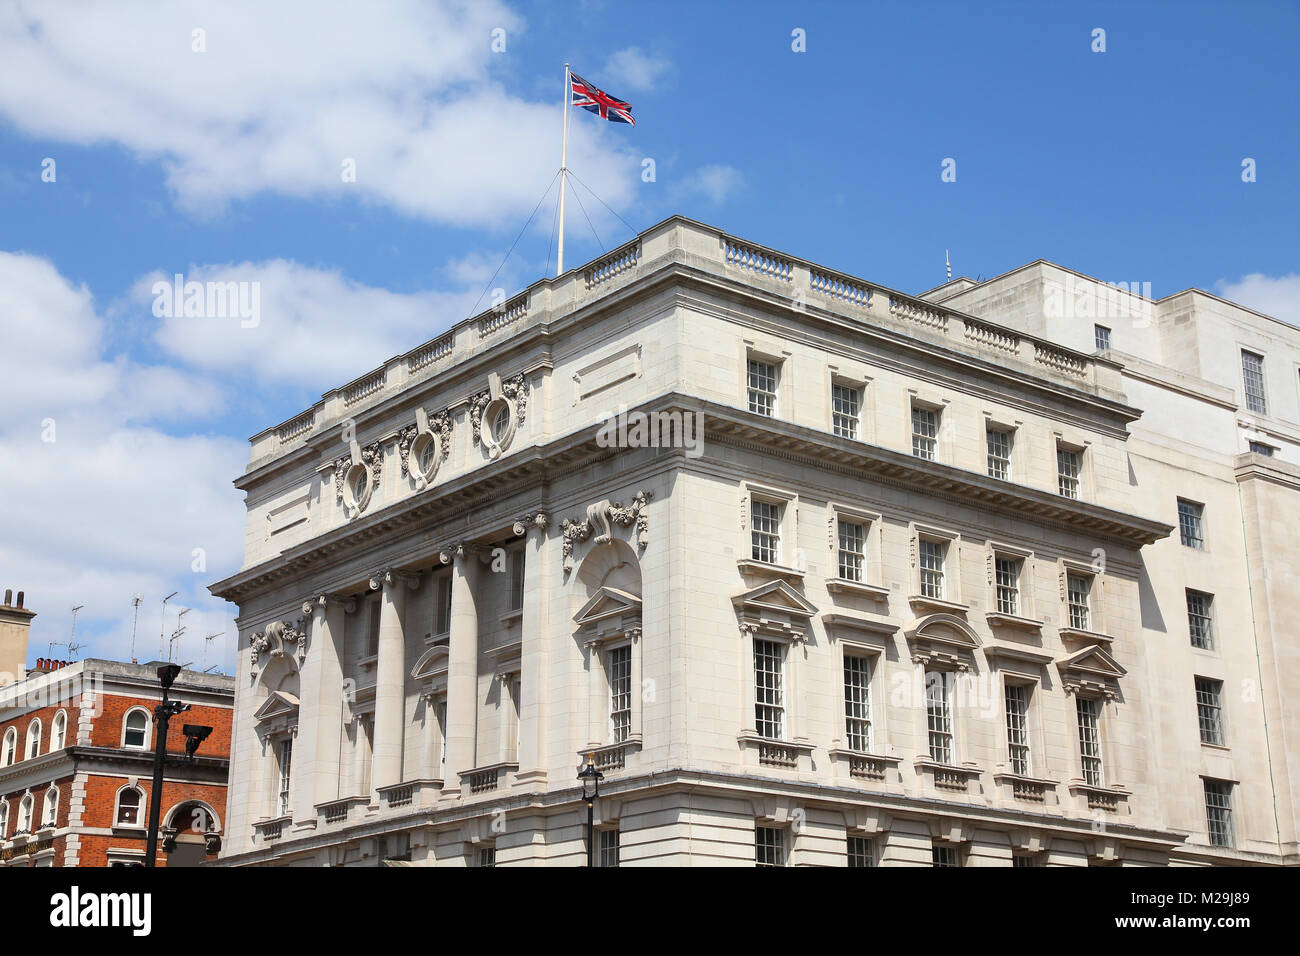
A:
769	846
1017	697
1101	337
372	625
442	605
762	387
366	745
1209	710
620	693
1007	581
998	443
861	852
286	770
1218	812
33	740
136	733
128	808
938	714
1191	528
765	531
50	813
925	431
846	405
1068	464
517	579
442	739
9	751
1078	588
852	550
609	847
1252	377
4	820
1200	622
26	812
1088	711
931	555
59	731
857	702
769	692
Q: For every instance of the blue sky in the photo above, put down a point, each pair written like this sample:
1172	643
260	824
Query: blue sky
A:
226	162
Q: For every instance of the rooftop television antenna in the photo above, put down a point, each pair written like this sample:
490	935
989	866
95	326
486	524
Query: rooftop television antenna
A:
135	619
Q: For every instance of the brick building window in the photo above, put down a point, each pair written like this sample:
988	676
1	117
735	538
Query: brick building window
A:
9	751
59	731
128	808
33	739
135	729
50	813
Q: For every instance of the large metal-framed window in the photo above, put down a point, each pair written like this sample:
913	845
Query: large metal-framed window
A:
925	432
1078	592
1017	706
769	846
620	692
769	689
1006	578
1088	711
938	714
998	443
1252	377
1191	527
1218	812
846	407
1200	622
765	531
857	702
1209	710
762	387
852	550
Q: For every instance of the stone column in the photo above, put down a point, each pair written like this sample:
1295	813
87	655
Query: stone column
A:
533	652
595	692
462	667
320	710
390	681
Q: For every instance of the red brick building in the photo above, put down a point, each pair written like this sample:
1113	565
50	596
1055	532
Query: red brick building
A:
76	766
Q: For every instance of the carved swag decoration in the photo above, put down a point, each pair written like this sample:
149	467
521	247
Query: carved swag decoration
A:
600	521
439	424
512	388
277	638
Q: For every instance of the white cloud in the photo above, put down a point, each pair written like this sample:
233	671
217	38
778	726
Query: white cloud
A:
1278	296
633	69
113	505
714	183
285	92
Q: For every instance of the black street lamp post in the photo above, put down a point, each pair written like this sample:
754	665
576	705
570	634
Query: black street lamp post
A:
591	778
194	735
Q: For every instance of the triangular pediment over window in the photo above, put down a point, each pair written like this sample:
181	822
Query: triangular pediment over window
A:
774	608
279	704
1092	662
606	603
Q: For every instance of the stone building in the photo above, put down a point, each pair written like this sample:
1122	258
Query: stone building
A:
817	572
76	763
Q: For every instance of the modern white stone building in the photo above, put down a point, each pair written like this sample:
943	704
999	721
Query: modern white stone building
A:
819	573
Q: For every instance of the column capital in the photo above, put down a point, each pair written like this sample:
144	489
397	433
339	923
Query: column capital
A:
538	520
390	577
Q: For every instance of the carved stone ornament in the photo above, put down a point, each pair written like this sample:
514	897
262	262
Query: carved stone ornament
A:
438	425
278	638
372	456
514	391
600	520
538	521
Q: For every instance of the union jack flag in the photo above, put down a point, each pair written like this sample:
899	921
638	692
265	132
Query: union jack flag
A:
595	100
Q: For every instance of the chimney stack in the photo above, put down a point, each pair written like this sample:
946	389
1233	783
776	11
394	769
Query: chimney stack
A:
15	626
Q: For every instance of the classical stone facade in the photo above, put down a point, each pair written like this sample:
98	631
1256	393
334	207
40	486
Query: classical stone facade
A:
815	571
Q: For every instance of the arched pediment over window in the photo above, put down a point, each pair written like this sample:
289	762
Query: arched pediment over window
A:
943	639
430	671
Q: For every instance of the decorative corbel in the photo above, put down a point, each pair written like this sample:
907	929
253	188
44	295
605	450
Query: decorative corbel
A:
538	520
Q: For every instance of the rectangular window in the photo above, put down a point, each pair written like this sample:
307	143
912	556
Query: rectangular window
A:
861	852
609	848
286	770
857	703
852	551
1199	619
1259	448
442	605
769	694
769	846
932	555
925	430
1088	710
620	693
846	404
943	856
998	443
487	856
938	714
1006	578
1190	525
1218	812
372	625
1078	588
1101	337
765	531
1252	377
1067	472
1017	697
517	579
442	740
1209	710
762	387
1024	859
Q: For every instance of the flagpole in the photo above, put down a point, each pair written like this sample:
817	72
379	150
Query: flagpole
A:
564	160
